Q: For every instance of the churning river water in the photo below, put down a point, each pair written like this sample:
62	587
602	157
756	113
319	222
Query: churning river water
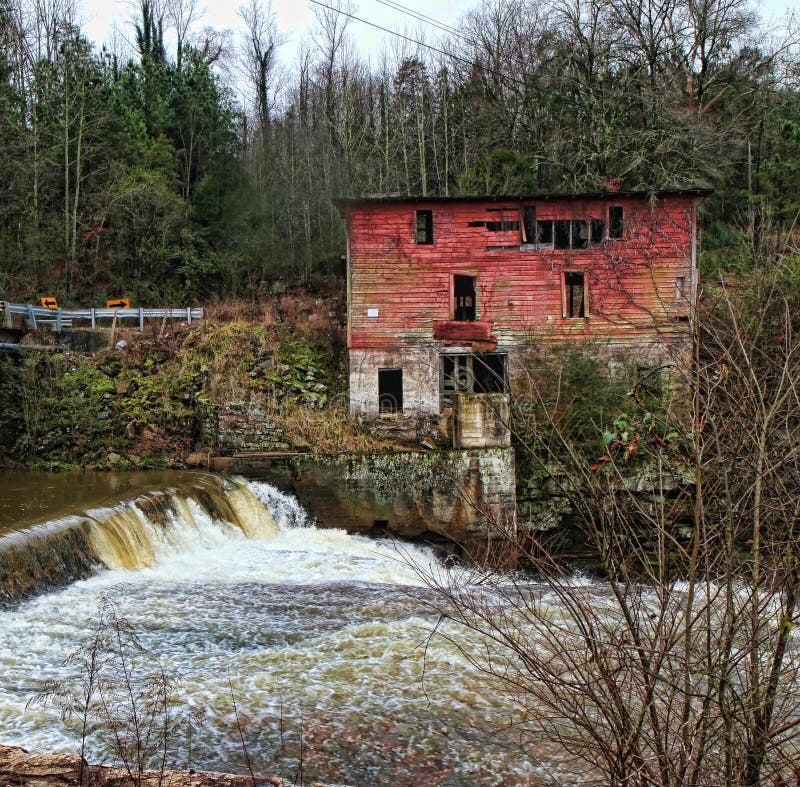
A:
290	646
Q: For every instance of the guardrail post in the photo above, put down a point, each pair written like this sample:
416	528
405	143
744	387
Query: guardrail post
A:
7	314
57	328
92	317
31	318
141	320
188	315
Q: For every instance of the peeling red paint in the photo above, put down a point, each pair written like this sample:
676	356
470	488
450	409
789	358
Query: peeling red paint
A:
463	332
633	283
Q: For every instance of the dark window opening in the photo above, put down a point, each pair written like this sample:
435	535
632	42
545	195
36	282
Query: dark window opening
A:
574	294
490	373
469	373
502	226
464	298
580	234
598	230
456	377
616	221
680	289
562	234
424	227
390	390
544	233
529	224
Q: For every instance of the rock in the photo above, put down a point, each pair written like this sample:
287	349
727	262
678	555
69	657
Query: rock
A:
113	458
121	344
123	388
20	767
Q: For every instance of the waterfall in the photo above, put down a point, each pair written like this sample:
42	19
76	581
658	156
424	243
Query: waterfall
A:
136	533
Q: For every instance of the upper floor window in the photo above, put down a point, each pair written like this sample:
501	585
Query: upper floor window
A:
616	221
574	295
529	224
424	226
464	298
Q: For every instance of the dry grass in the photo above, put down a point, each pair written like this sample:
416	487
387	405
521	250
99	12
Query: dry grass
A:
327	431
298	310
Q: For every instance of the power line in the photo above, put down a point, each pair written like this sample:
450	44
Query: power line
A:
415	41
420	17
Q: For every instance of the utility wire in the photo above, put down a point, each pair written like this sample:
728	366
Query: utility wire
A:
420	17
460	59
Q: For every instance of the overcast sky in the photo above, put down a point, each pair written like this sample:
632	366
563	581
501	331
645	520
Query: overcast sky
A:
294	18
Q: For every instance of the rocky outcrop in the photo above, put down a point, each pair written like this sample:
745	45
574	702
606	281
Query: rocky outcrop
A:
24	769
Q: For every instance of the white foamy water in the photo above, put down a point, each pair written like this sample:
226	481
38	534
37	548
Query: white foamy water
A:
316	634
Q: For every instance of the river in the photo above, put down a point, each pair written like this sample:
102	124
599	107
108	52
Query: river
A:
290	645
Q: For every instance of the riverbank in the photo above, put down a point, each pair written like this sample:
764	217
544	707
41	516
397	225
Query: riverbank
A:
25	769
268	375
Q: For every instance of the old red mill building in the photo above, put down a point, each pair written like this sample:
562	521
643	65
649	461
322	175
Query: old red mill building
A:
451	295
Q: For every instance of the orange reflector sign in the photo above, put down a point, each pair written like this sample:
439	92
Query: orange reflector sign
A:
49	302
118	303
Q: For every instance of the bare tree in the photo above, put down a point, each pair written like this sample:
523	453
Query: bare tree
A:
259	57
679	668
181	16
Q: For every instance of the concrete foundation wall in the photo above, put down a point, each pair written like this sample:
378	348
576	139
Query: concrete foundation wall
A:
464	496
481	420
420	365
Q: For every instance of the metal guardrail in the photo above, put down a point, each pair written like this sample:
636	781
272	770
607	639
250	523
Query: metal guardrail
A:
59	319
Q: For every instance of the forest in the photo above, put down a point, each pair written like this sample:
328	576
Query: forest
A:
202	166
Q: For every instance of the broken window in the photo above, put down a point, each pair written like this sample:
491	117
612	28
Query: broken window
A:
598	227
456	376
529	224
562	234
616	221
390	390
580	234
489	373
424	233
502	226
470	373
574	294
544	233
464	298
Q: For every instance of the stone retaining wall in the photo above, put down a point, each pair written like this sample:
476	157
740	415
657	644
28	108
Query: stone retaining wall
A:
466	497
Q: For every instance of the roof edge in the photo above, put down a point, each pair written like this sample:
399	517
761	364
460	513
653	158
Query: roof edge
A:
609	195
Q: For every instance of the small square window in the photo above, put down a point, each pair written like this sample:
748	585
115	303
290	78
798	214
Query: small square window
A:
424	233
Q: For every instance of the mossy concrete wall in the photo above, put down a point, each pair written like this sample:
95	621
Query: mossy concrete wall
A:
463	496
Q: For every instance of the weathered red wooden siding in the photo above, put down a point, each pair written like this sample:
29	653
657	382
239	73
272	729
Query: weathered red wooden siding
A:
631	282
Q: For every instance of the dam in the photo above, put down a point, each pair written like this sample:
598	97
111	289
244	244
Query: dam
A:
290	648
